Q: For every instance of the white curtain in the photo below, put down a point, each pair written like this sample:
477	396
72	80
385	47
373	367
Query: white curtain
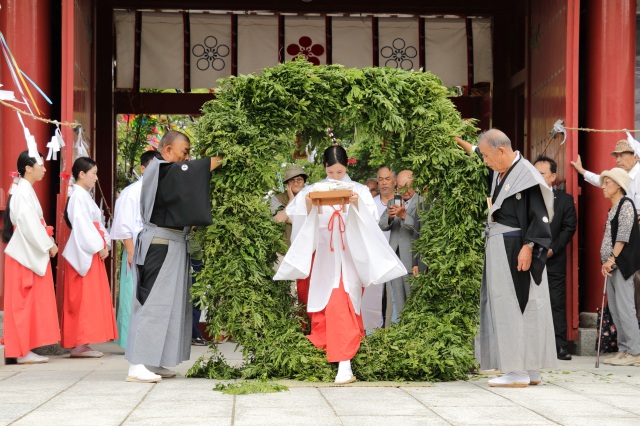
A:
446	50
305	36
125	23
399	43
257	43
162	51
210	54
482	50
352	42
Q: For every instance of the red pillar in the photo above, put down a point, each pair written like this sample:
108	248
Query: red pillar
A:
610	105
26	28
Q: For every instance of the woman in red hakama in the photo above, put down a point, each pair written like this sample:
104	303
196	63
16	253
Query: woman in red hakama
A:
88	315
333	299
31	318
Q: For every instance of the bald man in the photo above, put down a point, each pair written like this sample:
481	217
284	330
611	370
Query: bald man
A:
516	326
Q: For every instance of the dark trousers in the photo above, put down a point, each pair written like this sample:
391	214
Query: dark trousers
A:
150	270
196	267
557	291
521	279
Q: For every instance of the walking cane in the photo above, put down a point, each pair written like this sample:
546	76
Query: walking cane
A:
604	294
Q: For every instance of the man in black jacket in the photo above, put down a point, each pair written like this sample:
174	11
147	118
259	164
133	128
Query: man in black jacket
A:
563	226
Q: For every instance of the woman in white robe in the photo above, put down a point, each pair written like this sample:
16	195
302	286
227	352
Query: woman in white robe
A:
87	311
343	252
31	317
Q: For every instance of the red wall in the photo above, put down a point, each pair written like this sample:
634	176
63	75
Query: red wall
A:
610	104
553	44
78	102
25	25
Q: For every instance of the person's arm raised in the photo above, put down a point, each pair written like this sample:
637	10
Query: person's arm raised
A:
215	162
468	148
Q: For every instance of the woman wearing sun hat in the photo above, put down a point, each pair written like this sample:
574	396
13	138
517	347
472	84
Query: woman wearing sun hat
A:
620	256
294	180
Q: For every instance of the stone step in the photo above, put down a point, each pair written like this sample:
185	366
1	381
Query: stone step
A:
586	343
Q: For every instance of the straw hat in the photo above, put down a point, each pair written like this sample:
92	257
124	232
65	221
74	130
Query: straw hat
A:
294	171
618	175
623	145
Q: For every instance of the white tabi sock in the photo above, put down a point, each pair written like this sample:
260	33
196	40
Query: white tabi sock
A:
534	377
344	369
514	379
139	373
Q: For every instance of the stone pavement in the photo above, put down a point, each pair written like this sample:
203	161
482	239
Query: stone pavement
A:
93	392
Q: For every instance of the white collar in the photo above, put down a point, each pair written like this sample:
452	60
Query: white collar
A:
634	171
516	159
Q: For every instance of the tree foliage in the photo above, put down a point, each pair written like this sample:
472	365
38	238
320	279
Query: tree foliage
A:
138	133
397	117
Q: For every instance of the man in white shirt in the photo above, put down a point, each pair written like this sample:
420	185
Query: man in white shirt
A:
372	312
626	159
127	223
401	219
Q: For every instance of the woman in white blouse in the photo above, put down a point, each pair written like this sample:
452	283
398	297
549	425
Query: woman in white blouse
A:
31	318
87	312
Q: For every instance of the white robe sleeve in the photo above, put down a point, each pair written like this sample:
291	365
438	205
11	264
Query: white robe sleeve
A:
297	211
123	219
30	242
297	262
592	178
26	219
84	240
374	259
88	239
127	220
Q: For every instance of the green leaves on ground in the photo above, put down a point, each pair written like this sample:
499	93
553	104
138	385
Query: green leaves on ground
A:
246	387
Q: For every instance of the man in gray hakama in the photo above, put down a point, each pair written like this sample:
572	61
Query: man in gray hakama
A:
516	326
174	197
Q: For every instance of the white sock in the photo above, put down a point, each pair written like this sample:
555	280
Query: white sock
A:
344	368
135	369
520	376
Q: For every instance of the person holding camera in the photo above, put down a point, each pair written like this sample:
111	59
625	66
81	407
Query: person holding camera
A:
375	303
401	219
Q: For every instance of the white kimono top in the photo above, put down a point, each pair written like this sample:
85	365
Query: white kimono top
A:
84	240
30	243
127	221
366	259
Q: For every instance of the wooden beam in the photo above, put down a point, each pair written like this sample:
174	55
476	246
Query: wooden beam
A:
129	102
435	7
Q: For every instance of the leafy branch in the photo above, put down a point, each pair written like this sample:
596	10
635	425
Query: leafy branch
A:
395	117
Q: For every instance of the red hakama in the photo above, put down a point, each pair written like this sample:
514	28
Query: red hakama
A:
88	315
337	329
31	318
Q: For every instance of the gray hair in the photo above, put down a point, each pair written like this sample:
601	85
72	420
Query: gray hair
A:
495	138
170	137
388	168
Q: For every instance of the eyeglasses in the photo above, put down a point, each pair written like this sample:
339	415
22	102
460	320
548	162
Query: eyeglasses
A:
296	180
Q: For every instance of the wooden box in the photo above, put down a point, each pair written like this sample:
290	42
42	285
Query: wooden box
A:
330	198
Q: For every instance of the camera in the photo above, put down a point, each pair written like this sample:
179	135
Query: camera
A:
395	201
